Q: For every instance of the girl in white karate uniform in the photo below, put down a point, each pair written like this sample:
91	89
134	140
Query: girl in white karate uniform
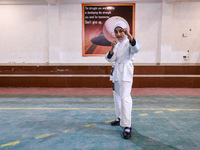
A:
122	53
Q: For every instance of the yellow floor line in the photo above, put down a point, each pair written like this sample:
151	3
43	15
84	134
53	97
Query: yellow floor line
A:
44	135
10	144
174	109
89	125
68	130
157	112
169	109
144	114
108	121
40	108
98	108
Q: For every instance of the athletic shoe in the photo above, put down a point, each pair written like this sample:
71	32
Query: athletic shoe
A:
127	133
116	122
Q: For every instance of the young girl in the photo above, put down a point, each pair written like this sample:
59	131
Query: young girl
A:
122	53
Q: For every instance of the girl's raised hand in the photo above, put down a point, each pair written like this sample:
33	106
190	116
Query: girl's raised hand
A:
125	30
113	43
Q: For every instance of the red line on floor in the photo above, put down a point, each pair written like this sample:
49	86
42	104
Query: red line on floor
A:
97	91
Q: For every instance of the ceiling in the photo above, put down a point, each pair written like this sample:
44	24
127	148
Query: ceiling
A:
21	2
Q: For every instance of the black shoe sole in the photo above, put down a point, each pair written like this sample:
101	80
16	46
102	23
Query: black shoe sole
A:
115	124
126	137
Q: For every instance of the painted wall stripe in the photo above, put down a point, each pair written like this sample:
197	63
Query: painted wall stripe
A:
44	135
54	75
10	144
94	75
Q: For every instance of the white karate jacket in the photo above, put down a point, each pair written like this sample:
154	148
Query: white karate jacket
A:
123	56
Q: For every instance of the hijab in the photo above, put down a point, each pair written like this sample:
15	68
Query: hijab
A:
123	26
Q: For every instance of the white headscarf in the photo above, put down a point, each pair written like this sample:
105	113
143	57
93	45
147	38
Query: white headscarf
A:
120	24
123	26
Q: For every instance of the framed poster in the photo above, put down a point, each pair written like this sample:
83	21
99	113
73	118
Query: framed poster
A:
97	26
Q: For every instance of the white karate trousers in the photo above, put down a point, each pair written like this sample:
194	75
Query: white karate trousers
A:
123	102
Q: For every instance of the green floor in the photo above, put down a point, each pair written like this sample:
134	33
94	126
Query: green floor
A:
82	122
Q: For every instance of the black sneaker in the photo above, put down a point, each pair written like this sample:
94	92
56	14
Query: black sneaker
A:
116	122
127	133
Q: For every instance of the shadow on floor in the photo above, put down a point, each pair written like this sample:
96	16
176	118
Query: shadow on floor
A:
147	143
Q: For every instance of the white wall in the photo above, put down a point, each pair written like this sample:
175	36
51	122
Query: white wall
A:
178	19
52	34
146	28
23	34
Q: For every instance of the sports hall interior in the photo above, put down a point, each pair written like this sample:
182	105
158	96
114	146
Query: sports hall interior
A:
52	96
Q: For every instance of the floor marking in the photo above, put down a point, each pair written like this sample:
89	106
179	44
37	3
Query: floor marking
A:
108	121
10	144
44	135
174	109
169	109
89	125
98	108
40	108
144	114
157	112
68	130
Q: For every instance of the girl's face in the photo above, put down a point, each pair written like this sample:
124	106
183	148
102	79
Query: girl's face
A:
119	33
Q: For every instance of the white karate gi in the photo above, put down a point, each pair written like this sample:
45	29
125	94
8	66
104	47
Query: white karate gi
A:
123	56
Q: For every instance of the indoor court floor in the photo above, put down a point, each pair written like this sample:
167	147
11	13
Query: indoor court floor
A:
79	119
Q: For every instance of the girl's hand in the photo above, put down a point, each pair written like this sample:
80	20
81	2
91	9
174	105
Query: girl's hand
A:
113	43
125	30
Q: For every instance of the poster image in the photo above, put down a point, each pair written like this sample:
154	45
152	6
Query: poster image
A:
97	26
